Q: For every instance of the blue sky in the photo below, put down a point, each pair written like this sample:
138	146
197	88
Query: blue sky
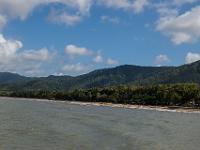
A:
72	37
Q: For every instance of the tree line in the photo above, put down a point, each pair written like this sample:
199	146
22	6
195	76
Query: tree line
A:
159	95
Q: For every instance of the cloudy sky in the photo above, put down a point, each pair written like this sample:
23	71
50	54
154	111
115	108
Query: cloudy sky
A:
71	37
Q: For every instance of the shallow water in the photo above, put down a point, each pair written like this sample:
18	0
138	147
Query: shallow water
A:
34	125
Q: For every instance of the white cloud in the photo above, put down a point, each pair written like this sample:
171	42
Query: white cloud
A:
3	21
161	59
58	74
192	57
64	18
112	62
171	3
74	11
167	12
98	58
184	28
181	2
8	48
18	8
39	55
133	5
139	5
13	59
124	4
75	68
12	9
74	50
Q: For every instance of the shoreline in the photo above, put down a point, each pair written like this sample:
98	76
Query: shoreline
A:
139	107
126	106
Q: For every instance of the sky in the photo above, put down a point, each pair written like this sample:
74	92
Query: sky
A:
73	37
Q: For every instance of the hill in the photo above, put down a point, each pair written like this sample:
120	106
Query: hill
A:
126	74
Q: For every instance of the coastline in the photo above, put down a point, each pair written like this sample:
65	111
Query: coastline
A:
140	107
126	106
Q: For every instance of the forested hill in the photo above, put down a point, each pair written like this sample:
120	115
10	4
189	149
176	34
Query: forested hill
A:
127	74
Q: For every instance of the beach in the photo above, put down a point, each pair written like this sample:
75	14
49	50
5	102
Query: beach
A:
126	106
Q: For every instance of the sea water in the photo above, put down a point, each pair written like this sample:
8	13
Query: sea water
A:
43	125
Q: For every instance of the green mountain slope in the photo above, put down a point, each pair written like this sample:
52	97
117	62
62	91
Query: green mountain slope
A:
127	74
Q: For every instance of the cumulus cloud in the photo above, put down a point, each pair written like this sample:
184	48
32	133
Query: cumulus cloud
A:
74	50
116	3
21	9
133	5
75	10
13	59
192	57
8	48
167	12
181	2
64	18
98	58
172	3
72	13
112	62
139	5
39	55
3	21
17	8
161	59
75	68
184	28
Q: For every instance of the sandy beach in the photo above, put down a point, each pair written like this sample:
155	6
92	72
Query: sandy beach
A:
153	108
127	106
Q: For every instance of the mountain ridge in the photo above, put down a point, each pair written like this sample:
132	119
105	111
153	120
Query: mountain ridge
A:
124	74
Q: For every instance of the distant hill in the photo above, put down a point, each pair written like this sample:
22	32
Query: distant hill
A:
126	74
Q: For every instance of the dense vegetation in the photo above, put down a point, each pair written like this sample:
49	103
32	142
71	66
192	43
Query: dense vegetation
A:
128	84
122	75
162	95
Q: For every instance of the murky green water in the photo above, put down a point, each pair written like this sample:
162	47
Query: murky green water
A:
33	125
